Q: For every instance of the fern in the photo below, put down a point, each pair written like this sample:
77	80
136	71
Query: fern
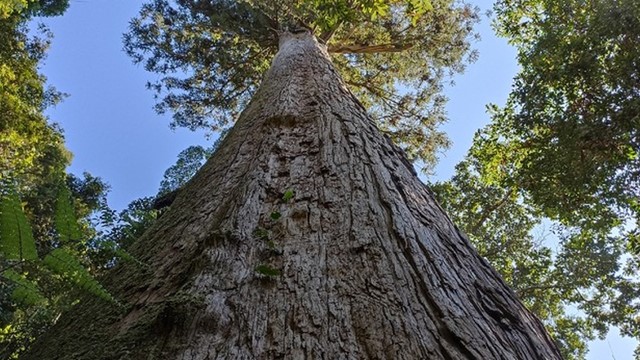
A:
17	243
25	291
115	249
64	263
16	237
66	223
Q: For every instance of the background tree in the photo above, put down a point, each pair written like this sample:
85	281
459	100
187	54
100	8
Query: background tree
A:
394	55
27	8
571	121
54	208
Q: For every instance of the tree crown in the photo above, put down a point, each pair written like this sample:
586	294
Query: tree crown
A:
395	56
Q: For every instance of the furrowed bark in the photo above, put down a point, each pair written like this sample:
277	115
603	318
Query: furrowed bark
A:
361	264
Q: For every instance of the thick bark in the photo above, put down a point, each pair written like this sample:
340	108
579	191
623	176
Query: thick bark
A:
369	265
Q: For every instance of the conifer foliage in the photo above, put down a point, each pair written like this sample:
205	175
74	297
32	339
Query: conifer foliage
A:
395	56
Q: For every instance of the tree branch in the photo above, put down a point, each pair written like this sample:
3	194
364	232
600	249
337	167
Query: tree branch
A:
487	211
526	290
326	35
368	49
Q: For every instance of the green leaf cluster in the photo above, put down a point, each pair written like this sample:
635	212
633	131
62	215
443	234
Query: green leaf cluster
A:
395	55
288	195
275	216
573	116
30	148
28	8
120	230
190	160
64	263
65	220
267	270
17	244
25	291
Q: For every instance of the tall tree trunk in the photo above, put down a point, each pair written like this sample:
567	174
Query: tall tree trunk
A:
362	263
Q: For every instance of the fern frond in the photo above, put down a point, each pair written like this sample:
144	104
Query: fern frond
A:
64	263
16	237
66	223
115	249
25	291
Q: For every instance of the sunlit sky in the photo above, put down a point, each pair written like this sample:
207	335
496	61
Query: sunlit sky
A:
111	128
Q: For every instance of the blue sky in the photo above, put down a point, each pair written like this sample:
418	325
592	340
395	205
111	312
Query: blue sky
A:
113	132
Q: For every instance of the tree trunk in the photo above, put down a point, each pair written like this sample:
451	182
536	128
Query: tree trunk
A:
361	264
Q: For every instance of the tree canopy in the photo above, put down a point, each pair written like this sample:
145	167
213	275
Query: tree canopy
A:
568	134
395	56
28	8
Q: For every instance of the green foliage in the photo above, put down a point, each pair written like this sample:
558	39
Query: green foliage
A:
66	223
261	233
566	146
20	247
48	7
271	245
572	116
25	292
395	55
16	237
64	263
87	194
327	15
34	297
275	216
53	206
288	195
121	230
267	270
28	8
10	7
30	149
190	160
